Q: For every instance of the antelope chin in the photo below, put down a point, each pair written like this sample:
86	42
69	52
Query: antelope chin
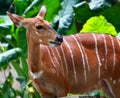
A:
54	44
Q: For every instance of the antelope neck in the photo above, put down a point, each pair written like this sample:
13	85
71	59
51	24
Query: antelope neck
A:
33	55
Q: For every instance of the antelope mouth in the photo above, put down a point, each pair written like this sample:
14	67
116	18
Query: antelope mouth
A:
54	44
57	42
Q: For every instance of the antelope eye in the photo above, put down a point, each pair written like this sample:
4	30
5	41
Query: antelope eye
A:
39	27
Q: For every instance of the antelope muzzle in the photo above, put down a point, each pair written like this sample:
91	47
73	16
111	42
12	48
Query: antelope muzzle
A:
58	41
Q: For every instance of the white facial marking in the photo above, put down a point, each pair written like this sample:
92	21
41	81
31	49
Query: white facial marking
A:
97	54
51	45
37	33
37	74
40	40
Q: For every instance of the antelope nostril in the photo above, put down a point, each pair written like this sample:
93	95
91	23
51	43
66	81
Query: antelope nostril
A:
59	38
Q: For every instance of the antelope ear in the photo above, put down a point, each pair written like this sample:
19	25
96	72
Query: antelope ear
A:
42	11
17	20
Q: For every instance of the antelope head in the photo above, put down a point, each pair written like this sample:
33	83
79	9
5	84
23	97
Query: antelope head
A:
38	29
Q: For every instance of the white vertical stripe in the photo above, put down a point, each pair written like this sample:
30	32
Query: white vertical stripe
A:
97	54
64	57
83	58
110	88
50	57
86	58
114	54
106	50
72	57
61	63
54	56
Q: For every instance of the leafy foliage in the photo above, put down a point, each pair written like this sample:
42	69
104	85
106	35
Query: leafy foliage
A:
1	20
111	13
6	89
98	24
66	16
8	55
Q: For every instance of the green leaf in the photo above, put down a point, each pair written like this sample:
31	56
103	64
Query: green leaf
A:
112	14
20	35
99	4
18	69
1	20
6	89
51	9
35	2
96	93
65	16
83	12
5	21
23	81
9	55
98	24
72	29
21	5
25	66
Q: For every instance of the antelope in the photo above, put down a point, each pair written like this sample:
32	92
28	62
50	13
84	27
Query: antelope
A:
78	63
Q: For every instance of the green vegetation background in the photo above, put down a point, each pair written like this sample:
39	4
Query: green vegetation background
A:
66	16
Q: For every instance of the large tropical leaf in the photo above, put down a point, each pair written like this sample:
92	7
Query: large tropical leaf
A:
5	21
5	24
65	16
98	4
20	35
6	89
52	8
34	3
21	5
111	13
98	24
83	12
9	55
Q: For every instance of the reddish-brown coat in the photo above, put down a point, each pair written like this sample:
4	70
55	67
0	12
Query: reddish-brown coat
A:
83	62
